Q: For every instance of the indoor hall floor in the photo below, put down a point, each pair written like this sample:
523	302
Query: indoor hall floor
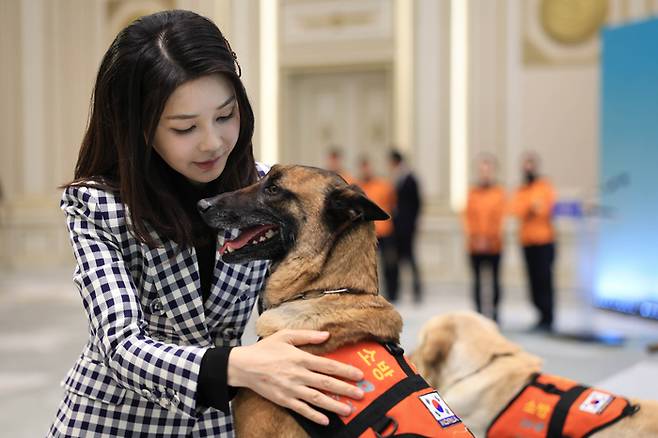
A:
43	329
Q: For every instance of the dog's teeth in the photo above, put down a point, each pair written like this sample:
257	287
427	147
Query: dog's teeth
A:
263	238
269	234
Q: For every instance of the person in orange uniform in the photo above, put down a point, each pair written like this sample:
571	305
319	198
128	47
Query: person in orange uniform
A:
483	225
533	206
382	193
335	164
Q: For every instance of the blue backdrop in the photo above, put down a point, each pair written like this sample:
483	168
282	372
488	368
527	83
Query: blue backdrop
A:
626	271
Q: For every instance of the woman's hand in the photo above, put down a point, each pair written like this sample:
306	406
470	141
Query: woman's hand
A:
282	373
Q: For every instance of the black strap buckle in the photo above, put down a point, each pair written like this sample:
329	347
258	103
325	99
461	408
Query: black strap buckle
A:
394	349
631	410
384	423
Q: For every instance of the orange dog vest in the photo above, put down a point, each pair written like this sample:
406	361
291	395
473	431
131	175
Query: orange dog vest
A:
397	401
550	406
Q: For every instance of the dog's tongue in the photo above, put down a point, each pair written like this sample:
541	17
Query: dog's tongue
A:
246	235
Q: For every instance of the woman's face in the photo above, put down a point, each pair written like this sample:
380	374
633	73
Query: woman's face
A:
199	128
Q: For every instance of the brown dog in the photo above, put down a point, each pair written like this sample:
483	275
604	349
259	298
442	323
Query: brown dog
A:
318	233
479	372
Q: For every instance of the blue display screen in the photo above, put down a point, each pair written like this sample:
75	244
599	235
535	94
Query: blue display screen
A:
626	271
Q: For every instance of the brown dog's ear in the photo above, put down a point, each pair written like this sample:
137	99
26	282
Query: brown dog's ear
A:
350	204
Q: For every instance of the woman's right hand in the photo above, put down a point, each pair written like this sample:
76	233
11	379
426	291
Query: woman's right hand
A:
282	373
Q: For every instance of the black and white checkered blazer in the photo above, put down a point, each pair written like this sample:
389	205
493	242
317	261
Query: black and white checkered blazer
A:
148	326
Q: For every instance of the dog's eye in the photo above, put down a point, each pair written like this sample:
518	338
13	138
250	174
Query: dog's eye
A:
272	189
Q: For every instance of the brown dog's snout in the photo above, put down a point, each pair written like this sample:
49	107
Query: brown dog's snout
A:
220	211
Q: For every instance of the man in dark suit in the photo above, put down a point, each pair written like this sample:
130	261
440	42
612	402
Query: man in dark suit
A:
405	218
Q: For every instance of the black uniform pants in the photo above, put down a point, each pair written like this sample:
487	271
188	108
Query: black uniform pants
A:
491	262
539	266
389	263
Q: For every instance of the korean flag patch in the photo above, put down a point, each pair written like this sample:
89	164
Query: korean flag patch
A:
596	402
439	409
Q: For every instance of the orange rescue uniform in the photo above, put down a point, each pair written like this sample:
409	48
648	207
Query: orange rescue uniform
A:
551	406
397	400
483	219
382	193
533	205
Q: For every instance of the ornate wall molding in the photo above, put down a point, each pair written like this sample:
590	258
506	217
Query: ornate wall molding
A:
336	32
336	20
563	31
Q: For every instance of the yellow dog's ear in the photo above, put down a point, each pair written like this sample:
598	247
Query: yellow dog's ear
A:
350	204
435	343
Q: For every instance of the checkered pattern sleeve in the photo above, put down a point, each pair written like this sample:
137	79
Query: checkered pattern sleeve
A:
110	298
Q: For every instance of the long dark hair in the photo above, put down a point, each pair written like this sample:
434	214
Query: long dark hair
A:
145	63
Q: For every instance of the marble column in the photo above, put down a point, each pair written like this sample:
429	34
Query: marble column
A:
430	155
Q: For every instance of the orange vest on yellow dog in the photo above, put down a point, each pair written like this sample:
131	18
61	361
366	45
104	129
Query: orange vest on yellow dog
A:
551	406
397	401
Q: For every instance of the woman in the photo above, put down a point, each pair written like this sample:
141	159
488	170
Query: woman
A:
171	124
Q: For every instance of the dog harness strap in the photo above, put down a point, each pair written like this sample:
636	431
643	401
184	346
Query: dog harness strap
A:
378	409
398	353
383	424
561	410
314	430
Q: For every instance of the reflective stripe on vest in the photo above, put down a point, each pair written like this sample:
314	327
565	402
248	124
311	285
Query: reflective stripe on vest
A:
397	402
550	406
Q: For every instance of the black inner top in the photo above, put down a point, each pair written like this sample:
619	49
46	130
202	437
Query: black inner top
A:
205	238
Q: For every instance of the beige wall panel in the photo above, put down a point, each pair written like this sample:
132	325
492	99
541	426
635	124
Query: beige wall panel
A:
245	38
513	108
560	122
73	61
638	9
120	13
58	63
33	168
10	104
430	156
10	125
351	110
486	80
